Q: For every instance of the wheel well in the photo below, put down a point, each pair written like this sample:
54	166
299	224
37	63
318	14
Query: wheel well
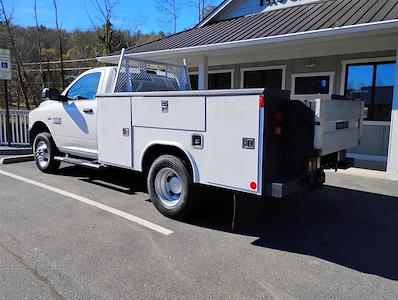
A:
154	151
37	128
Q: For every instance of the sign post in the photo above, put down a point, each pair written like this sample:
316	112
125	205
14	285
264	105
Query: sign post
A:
5	74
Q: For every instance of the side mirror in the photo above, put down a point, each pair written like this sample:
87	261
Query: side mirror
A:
50	94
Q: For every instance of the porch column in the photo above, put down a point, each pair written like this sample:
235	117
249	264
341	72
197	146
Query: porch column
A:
203	73
392	162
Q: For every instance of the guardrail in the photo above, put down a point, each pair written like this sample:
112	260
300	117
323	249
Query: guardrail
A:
19	121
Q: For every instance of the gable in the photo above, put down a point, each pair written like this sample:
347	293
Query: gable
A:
239	8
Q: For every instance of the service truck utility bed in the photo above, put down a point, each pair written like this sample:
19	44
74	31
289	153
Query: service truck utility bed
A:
232	127
219	118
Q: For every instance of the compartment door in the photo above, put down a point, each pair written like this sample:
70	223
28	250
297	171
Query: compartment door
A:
114	131
233	142
177	113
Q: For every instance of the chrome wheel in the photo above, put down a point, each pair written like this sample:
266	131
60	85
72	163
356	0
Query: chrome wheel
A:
42	154
168	187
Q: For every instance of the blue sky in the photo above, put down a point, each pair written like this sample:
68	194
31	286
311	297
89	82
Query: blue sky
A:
130	14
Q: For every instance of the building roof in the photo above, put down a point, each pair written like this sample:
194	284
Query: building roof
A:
313	16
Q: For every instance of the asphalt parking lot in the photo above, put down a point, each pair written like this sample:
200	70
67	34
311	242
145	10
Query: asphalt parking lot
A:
340	242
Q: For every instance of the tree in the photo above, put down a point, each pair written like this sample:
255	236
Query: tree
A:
22	76
39	47
105	31
60	45
203	7
171	9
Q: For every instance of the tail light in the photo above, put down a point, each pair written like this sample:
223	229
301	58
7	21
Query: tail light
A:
261	101
277	130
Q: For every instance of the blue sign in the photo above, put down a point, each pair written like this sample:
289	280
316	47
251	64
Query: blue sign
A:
4	65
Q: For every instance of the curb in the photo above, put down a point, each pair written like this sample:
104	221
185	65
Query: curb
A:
16	159
16	151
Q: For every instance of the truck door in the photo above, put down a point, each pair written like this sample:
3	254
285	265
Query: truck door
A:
75	120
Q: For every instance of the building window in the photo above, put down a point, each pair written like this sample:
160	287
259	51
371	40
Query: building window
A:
220	81
263	79
217	80
312	84
372	83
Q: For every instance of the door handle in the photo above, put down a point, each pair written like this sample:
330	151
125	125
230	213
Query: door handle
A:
88	110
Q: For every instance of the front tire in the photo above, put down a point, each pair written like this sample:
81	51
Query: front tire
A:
170	187
45	150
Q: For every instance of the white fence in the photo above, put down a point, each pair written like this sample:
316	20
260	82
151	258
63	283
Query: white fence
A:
19	128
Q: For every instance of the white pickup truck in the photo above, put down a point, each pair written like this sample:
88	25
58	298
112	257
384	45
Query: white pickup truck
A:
143	116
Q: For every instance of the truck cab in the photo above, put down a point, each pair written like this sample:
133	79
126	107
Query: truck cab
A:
72	119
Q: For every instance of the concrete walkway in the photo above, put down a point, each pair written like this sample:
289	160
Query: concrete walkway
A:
361	172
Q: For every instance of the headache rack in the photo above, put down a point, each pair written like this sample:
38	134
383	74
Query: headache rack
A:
139	75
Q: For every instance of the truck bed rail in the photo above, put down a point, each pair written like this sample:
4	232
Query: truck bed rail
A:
138	75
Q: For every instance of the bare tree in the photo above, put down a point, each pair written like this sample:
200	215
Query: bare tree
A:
22	76
170	8
105	32
203	7
39	48
60	45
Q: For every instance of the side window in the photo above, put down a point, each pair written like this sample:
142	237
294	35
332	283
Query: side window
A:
85	88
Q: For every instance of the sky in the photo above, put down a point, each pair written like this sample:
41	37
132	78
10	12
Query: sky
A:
130	14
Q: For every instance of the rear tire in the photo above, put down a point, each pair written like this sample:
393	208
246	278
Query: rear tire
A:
319	180
44	150
170	187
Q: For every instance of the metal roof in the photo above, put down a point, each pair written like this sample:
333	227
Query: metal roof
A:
296	19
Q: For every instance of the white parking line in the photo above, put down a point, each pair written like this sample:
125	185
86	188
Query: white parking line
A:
106	208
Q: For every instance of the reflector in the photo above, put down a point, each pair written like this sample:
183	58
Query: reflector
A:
253	185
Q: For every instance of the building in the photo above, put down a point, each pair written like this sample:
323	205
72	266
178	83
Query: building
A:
311	47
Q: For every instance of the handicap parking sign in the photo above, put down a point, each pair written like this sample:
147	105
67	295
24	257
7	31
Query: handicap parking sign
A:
5	64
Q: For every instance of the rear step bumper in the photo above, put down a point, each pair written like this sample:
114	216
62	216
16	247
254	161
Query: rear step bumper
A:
281	189
80	162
